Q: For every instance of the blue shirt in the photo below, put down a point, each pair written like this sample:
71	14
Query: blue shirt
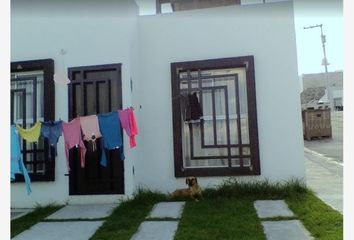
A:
111	134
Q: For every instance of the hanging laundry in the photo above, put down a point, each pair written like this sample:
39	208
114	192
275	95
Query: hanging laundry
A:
133	128
128	123
32	134
190	107
90	129
72	138
111	135
184	103
194	107
52	131
17	165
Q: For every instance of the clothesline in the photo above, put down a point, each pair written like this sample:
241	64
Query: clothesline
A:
105	126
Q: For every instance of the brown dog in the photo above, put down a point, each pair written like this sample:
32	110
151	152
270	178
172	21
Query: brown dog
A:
194	191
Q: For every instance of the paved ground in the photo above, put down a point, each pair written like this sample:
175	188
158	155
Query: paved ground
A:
280	229
65	225
167	210
87	211
160	224
156	229
326	179
289	230
324	168
60	231
19	212
272	208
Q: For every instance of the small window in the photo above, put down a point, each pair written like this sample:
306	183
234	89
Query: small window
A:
32	100
215	118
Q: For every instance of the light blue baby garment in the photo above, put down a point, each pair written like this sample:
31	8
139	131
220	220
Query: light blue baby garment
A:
17	165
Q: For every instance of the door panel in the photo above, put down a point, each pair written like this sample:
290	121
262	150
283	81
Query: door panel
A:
93	90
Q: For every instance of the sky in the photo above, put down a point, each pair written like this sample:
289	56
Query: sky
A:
309	45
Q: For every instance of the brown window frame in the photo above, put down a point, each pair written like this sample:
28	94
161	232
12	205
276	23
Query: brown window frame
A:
47	66
246	62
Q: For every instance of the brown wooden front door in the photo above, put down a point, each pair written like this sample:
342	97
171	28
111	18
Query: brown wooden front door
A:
94	90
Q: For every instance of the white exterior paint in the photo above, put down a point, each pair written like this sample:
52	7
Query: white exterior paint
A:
94	33
265	31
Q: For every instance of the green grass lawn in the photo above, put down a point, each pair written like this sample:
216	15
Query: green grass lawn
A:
220	218
21	224
126	218
321	220
226	212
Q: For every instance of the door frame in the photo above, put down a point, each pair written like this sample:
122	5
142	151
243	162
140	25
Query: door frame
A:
73	70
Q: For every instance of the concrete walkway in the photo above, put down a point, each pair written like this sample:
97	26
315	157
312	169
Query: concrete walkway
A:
324	164
272	209
60	231
69	224
80	222
19	212
325	177
289	230
87	211
280	229
156	229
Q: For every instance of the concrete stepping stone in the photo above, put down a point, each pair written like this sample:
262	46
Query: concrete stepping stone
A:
60	231
289	230
167	210
156	230
87	211
272	208
19	212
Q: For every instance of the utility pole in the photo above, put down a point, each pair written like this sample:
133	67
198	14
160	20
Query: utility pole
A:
324	63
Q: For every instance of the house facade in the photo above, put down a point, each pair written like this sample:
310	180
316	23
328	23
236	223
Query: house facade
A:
227	57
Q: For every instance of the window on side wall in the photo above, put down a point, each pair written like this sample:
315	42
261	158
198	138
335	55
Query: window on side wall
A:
32	100
215	117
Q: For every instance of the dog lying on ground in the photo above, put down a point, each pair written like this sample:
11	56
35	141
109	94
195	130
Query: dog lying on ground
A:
194	191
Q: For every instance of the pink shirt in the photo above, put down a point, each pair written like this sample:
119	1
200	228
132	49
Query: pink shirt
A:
127	120
72	138
90	129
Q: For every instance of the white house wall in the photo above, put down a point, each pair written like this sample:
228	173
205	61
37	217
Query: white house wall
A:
265	31
91	33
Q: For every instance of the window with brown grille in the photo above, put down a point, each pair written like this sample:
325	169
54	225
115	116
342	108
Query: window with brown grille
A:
32	100
215	117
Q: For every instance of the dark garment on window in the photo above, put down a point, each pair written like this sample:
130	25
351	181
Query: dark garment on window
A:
194	106
186	114
190	107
